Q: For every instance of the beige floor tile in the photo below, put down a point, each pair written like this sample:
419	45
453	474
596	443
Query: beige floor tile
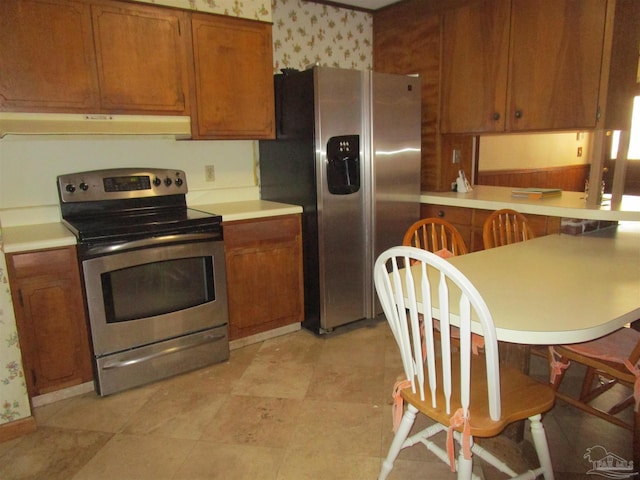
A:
268	379
137	457
316	465
338	428
342	383
103	414
261	421
51	454
300	406
230	462
301	347
363	346
176	414
413	470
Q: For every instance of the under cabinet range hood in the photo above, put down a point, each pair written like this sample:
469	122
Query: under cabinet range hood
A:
18	123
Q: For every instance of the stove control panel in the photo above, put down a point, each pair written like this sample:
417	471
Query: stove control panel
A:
121	183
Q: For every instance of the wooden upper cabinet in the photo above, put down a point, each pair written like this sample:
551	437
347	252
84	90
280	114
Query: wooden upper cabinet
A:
556	56
141	58
233	78
522	65
475	53
47	61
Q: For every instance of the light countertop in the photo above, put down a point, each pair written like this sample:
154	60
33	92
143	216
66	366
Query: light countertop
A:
22	238
248	209
568	204
34	237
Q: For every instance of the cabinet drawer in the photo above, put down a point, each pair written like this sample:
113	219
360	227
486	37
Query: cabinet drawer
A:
44	262
456	215
257	231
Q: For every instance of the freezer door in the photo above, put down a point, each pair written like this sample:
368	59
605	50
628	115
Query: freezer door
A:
340	182
395	143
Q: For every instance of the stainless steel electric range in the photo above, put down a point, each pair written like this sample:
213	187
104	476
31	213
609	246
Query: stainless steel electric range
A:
153	273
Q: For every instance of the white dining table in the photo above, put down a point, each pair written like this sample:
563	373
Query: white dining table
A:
559	289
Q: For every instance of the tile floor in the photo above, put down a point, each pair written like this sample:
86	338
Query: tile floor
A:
294	407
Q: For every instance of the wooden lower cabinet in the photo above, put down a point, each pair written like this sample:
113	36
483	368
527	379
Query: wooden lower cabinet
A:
264	274
50	318
470	221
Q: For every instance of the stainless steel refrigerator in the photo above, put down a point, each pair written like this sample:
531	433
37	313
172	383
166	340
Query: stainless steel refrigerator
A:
347	150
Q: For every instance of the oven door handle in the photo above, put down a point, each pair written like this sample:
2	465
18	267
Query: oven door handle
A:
152	242
111	364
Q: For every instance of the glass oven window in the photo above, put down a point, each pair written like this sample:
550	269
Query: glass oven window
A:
157	288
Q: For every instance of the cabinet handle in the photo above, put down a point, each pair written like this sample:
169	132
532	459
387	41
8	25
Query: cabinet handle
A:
441	213
518	113
496	116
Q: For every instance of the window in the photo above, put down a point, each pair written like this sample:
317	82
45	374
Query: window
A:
634	145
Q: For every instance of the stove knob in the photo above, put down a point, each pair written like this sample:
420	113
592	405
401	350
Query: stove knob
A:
84	187
157	182
70	188
179	182
167	182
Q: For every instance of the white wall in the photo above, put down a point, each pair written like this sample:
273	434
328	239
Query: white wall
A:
29	165
515	151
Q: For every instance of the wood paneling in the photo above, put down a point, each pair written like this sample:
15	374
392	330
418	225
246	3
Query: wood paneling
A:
569	178
406	40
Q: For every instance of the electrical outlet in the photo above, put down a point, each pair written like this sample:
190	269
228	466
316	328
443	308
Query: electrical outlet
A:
209	173
456	156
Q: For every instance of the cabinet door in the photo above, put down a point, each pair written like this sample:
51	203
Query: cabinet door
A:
50	317
233	78
141	57
474	67
556	55
264	274
47	61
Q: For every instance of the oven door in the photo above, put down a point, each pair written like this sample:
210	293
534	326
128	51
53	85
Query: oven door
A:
148	295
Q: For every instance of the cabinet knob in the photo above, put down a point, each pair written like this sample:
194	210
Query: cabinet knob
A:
496	116
518	113
441	213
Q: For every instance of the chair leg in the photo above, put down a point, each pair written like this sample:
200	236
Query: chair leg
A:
464	466
402	433
542	447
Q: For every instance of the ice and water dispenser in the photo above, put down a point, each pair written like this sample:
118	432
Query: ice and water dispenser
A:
343	164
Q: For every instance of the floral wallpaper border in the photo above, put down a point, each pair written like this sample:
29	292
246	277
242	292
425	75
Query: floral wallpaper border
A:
251	9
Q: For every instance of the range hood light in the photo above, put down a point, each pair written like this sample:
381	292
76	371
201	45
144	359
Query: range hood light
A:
18	123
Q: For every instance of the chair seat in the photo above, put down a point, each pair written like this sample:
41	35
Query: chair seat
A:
606	354
615	347
522	397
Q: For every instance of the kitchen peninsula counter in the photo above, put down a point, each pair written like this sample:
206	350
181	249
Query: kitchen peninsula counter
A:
567	205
